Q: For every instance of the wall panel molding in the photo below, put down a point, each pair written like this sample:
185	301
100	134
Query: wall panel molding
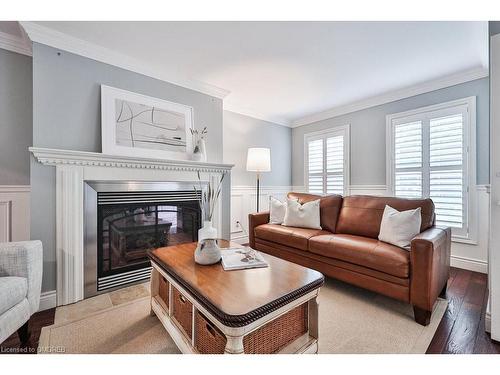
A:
244	202
14	213
15	189
5	220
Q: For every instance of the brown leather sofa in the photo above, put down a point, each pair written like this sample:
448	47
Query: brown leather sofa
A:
347	248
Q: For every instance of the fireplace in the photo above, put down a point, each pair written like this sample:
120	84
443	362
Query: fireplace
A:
125	219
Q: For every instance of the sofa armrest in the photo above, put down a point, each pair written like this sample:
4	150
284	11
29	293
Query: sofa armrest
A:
24	259
430	266
254	220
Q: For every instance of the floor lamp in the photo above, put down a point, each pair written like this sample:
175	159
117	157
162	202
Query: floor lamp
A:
258	160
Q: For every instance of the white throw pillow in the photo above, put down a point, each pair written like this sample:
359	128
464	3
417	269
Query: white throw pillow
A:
399	228
302	215
277	210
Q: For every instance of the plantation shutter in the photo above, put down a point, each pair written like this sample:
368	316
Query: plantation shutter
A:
408	159
326	162
446	169
315	165
335	165
429	159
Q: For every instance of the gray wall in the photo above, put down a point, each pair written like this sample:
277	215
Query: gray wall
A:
66	112
368	133
494	27
16	121
242	132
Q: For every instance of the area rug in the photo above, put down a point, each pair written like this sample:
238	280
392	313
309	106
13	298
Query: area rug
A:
352	320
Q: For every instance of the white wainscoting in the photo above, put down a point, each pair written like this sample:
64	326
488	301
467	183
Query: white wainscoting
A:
244	202
474	256
469	256
14	213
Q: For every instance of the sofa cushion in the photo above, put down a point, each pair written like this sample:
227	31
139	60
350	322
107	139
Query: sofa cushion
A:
366	252
400	227
361	215
13	290
288	236
329	207
302	215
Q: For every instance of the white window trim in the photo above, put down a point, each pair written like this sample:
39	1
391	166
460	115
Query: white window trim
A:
470	142
346	129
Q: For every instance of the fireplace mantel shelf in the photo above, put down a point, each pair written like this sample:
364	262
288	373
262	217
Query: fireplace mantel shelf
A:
73	168
52	156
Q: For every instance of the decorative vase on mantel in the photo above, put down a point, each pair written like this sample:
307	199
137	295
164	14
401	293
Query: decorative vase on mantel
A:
199	147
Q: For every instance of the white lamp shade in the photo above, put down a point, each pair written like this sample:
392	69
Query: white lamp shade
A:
259	159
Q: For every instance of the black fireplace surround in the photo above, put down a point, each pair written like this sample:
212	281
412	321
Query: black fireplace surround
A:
124	219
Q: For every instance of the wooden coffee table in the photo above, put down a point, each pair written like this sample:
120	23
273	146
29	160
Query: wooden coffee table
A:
208	310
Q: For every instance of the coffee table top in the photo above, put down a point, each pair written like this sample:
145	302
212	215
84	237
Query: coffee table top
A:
239	297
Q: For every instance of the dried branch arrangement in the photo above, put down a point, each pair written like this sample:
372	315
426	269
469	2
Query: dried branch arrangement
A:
196	135
208	199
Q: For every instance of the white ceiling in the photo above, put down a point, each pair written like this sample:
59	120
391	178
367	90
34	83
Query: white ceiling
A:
284	71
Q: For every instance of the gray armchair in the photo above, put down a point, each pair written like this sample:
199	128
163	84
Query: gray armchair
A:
20	285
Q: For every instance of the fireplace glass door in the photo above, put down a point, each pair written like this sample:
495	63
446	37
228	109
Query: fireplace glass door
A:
128	229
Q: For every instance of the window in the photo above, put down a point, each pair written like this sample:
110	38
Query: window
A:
327	161
431	154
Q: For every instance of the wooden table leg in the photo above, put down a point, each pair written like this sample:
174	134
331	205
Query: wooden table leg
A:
154	287
313	317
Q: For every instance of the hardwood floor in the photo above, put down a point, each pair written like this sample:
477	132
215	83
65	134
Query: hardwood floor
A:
37	322
461	330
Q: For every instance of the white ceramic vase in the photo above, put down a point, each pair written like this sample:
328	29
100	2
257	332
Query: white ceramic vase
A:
203	150
200	153
207	252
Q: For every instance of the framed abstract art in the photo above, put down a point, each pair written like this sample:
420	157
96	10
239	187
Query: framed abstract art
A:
138	125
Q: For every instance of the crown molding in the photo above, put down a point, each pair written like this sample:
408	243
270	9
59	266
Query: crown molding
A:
392	96
52	156
45	35
15	44
257	115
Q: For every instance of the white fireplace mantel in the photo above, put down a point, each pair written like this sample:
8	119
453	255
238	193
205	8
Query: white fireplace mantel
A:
52	156
73	168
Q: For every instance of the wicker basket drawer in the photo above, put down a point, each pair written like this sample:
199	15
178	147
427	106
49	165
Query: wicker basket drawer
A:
182	311
268	339
163	291
278	333
209	340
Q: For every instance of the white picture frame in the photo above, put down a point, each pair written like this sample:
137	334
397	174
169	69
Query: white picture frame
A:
144	126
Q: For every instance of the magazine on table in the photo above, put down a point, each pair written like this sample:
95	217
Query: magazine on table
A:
242	258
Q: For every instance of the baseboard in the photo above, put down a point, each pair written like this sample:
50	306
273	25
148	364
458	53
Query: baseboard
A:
487	318
48	300
240	239
469	264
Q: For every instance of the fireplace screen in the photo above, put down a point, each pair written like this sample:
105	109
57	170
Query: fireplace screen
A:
130	224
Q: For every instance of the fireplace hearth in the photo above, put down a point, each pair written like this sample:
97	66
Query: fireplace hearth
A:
123	220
